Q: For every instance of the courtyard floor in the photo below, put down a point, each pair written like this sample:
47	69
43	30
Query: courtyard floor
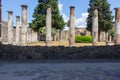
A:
60	70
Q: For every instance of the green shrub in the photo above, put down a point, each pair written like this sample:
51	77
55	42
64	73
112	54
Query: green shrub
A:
83	39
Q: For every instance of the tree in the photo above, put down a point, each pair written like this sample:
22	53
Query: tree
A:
43	31
68	23
111	33
39	15
104	15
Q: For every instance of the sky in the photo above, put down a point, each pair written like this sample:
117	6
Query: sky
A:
81	7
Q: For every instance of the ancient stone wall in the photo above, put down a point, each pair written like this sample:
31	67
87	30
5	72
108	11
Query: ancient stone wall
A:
59	52
82	31
31	35
78	32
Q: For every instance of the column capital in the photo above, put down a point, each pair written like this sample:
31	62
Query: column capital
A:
72	6
24	5
48	6
72	10
10	12
17	16
116	8
95	7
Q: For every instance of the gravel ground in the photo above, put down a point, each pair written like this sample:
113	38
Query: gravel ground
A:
53	70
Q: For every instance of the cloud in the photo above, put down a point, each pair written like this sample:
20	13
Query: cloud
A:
113	19
60	6
65	18
81	22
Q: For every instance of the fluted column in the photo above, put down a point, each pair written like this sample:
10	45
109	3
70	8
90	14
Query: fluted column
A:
72	27
24	25
17	30
95	27
48	26
117	26
10	27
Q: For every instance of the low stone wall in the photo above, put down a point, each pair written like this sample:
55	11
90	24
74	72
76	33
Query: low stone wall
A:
60	52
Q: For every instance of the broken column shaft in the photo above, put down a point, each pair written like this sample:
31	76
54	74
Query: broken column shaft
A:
117	26
17	30
48	26
10	27
72	27
95	27
24	25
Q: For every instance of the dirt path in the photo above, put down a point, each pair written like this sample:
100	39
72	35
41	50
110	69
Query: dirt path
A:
67	44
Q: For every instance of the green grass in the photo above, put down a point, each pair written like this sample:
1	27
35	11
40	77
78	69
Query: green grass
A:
83	39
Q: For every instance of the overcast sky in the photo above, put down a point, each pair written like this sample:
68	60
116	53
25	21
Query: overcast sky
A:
81	7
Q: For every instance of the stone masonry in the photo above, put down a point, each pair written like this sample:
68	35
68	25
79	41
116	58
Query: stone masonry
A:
4	32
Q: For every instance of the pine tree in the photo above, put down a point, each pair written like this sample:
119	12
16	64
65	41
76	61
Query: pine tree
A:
104	15
39	15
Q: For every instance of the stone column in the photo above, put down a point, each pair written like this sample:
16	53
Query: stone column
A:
17	30
95	27
58	38
114	24
110	38
0	20
48	26
103	36
10	27
72	27
117	26
106	36
66	37
24	25
30	36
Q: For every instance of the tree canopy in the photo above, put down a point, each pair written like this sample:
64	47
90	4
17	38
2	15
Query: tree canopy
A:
39	15
104	15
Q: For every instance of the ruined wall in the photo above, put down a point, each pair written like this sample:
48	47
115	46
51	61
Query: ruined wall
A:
31	35
4	32
82	31
78	32
59	52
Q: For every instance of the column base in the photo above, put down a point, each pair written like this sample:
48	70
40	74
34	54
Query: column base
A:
117	41
71	45
23	39
94	44
48	43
